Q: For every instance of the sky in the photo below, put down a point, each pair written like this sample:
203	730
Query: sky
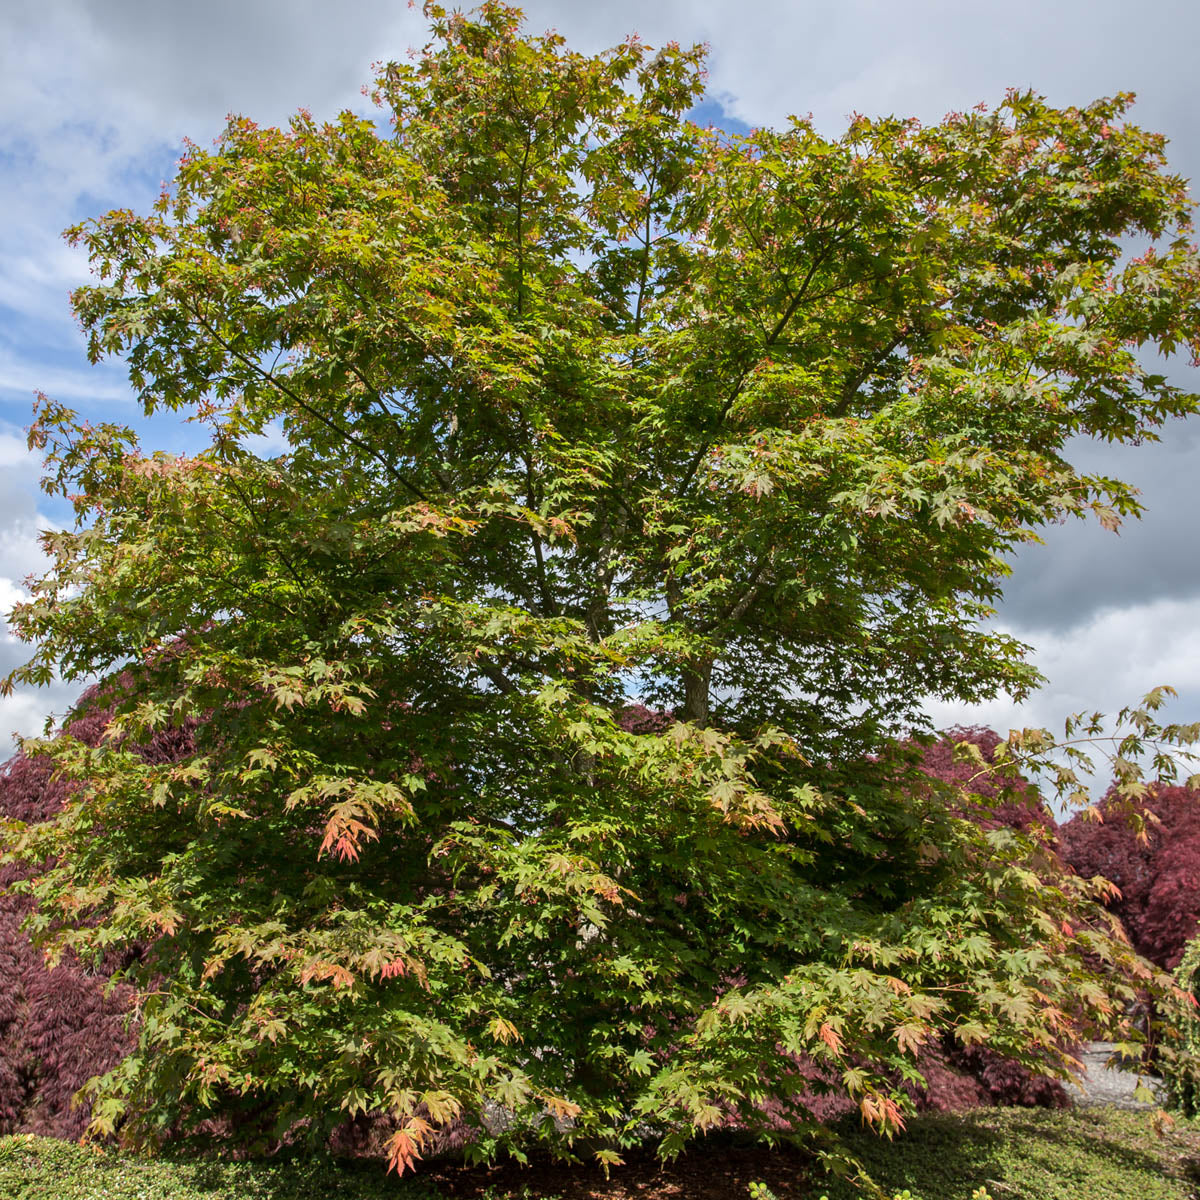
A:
96	99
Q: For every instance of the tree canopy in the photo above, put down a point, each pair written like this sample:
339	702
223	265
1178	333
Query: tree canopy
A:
585	407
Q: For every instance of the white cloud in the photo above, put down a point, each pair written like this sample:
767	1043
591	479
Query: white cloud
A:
46	268
95	99
21	554
20	468
1102	665
25	377
10	594
777	57
270	443
15	455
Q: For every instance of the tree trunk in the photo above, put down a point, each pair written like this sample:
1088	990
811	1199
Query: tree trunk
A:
695	692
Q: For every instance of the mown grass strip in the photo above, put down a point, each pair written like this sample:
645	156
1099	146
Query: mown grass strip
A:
1016	1154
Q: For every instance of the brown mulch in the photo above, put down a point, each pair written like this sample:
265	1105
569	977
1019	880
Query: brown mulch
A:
719	1169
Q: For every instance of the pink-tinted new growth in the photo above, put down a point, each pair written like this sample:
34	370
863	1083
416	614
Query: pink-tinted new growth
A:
1158	877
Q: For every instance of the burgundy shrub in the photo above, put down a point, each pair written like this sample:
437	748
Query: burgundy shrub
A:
57	1028
1005	1082
1158	878
637	718
949	1085
1005	798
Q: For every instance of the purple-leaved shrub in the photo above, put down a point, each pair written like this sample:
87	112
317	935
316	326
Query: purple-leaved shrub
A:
1158	874
58	1027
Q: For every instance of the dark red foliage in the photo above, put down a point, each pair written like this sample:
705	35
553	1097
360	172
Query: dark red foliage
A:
1159	878
57	1028
1005	798
1005	1082
949	1085
637	718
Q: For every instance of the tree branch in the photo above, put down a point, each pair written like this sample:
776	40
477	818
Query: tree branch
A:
780	325
300	403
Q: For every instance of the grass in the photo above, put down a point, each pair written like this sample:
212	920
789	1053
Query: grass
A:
1035	1154
1016	1154
44	1169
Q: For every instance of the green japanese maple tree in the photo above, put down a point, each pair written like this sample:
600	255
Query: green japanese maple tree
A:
584	406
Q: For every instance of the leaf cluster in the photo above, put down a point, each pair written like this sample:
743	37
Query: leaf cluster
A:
583	406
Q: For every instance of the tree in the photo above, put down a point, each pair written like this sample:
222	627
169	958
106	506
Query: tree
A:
585	407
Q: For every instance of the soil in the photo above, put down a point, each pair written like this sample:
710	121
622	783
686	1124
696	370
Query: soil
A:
722	1167
717	1169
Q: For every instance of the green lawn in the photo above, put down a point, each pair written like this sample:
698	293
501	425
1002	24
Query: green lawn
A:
1017	1154
43	1169
1032	1154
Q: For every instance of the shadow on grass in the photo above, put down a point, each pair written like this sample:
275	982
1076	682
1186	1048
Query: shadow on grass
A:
1030	1154
1017	1154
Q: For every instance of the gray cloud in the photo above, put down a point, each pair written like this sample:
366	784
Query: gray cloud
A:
176	70
1083	569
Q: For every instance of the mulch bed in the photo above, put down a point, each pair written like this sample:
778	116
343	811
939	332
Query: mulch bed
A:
718	1169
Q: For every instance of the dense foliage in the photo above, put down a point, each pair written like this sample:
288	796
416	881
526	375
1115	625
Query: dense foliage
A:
991	791
58	1028
61	1027
1154	861
1182	1060
585	407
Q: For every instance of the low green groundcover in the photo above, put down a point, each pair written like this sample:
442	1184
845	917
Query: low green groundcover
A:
1033	1154
1015	1154
44	1169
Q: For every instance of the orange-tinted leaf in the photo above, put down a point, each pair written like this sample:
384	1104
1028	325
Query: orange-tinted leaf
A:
405	1145
561	1108
830	1037
322	971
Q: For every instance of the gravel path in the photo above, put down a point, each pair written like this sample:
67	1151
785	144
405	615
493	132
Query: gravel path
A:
1105	1085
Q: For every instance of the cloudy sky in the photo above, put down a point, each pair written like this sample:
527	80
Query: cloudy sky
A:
96	96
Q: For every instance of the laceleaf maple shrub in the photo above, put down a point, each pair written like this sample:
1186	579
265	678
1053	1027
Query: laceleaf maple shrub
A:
584	407
1154	862
60	1027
